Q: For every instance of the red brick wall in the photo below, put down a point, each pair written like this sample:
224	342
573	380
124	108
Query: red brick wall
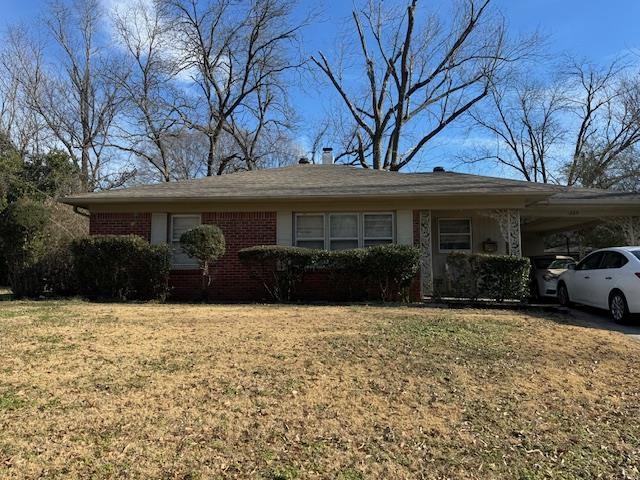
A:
121	224
231	279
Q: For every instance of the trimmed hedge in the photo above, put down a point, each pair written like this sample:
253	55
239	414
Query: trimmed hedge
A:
121	267
52	274
385	271
497	277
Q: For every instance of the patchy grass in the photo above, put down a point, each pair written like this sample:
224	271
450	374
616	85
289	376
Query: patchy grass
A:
284	392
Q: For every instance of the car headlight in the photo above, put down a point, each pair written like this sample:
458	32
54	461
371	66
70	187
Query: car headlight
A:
549	276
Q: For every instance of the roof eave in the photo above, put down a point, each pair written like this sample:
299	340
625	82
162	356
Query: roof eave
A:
86	201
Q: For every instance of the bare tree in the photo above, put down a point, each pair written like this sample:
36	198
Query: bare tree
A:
607	106
19	122
232	52
67	81
525	120
420	76
147	86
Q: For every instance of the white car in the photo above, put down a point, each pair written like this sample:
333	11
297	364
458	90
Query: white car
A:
608	279
545	271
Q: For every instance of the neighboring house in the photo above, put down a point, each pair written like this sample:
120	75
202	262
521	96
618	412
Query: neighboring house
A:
335	207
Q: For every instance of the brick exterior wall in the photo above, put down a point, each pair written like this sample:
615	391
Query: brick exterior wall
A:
232	281
121	224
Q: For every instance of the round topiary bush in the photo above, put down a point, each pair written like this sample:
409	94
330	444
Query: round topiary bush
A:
206	244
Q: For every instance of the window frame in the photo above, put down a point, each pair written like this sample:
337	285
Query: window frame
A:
315	239
327	227
612	252
470	235
393	228
584	260
182	266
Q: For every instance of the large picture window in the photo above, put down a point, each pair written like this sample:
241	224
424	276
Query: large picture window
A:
454	235
179	225
341	231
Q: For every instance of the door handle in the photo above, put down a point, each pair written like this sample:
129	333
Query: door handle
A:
607	278
587	276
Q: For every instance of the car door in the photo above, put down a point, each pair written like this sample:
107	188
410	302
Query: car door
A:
606	278
582	284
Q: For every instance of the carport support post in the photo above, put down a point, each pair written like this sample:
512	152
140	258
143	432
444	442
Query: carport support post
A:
426	256
509	222
631	229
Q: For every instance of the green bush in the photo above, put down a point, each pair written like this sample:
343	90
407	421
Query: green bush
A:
206	244
52	274
279	268
121	267
382	272
497	277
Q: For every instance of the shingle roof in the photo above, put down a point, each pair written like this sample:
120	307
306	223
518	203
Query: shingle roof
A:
331	181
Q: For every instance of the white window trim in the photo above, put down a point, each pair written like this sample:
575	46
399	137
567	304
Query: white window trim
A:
393	227
327	227
182	266
322	239
470	235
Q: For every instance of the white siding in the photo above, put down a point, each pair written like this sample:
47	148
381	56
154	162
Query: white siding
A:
284	228
404	227
482	228
158	228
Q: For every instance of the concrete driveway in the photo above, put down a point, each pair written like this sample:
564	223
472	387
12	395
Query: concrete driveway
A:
594	318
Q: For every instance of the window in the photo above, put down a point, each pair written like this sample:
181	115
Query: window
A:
310	230
378	228
613	260
455	234
343	231
179	225
636	253
592	262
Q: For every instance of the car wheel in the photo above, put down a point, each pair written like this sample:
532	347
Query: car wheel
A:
563	295
618	307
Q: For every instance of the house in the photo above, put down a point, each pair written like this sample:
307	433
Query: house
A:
336	207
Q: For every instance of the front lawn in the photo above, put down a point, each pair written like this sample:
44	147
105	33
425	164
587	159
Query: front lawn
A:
285	392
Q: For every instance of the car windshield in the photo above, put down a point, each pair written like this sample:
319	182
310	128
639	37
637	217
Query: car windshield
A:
560	264
636	253
542	263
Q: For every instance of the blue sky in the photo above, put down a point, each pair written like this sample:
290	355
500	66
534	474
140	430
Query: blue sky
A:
597	30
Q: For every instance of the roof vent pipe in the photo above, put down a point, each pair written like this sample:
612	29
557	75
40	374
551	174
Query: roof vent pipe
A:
439	169
327	156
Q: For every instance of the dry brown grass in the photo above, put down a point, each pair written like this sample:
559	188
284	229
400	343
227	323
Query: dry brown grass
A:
283	392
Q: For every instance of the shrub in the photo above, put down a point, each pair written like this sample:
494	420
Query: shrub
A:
35	238
121	267
206	244
52	274
382	272
279	268
497	277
